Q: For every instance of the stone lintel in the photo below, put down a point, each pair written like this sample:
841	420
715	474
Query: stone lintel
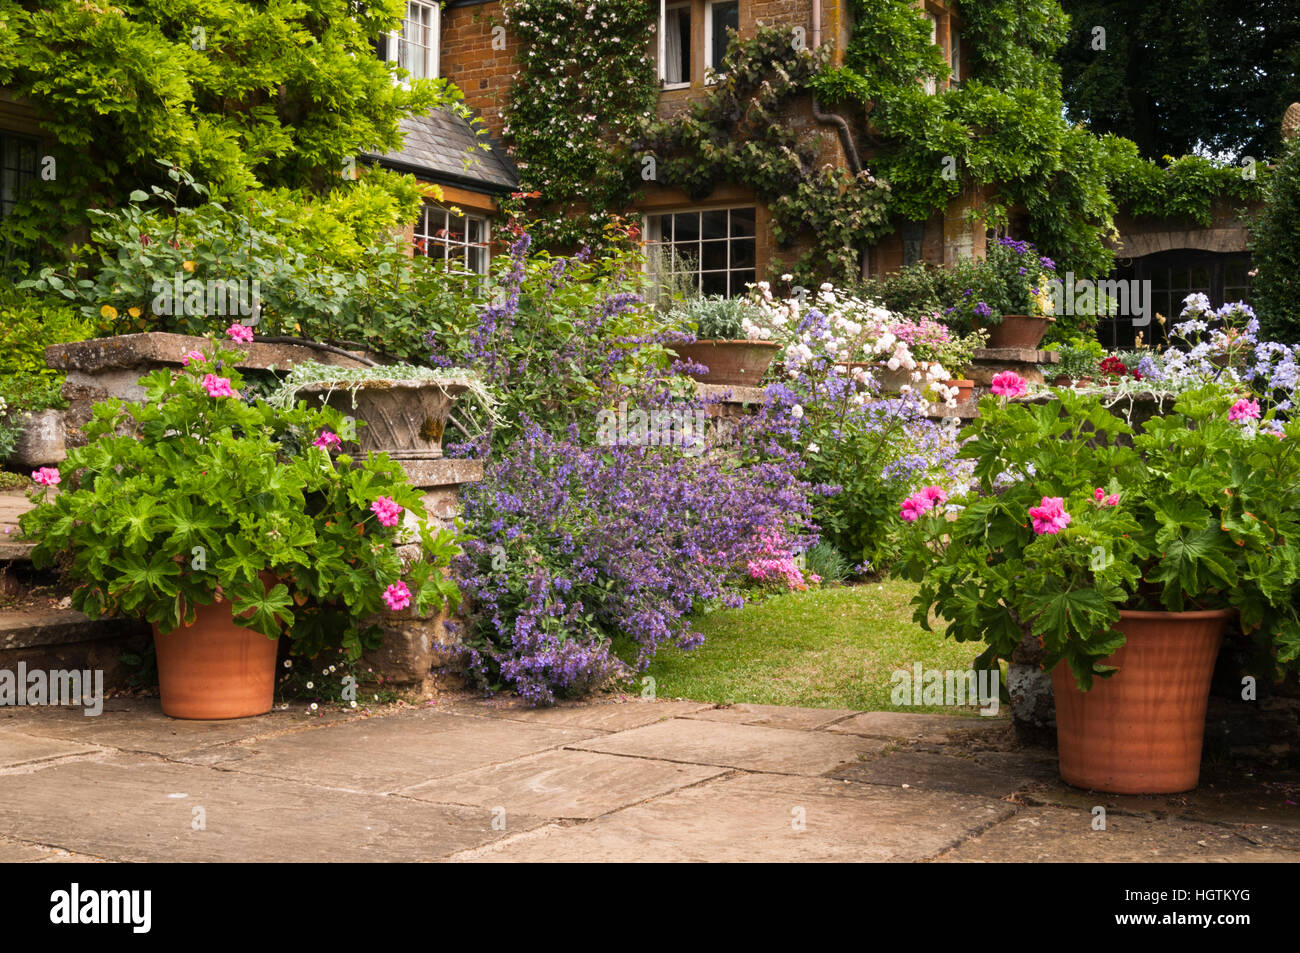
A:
1015	355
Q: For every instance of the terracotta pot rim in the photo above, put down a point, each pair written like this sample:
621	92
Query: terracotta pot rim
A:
955	381
1031	317
1191	615
717	341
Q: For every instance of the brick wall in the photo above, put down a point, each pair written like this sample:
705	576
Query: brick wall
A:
483	74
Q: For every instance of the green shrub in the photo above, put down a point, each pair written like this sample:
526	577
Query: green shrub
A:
1275	243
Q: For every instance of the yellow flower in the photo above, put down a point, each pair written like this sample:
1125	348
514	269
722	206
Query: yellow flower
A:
133	312
108	311
187	265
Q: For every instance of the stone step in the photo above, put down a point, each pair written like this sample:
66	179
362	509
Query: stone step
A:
13	504
65	639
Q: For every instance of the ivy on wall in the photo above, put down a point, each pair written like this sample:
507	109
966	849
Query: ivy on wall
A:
585	83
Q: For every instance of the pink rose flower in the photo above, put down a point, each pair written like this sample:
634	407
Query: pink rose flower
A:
1244	410
1049	518
196	356
326	440
46	476
397	596
1008	384
386	511
217	386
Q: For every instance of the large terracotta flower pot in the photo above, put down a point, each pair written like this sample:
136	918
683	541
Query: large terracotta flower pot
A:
1018	331
737	363
1140	731
215	669
965	389
404	419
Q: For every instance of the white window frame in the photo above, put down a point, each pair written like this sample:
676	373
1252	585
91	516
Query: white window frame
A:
699	264
954	53
397	39
708	38
431	214
664	7
931	83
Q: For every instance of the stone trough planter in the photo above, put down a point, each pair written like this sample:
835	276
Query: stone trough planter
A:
403	418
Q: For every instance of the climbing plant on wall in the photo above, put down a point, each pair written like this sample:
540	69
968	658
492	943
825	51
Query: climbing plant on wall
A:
584	84
737	133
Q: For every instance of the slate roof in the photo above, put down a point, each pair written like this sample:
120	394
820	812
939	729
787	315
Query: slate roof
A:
440	147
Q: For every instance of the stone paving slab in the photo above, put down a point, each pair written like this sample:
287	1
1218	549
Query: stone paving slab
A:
1057	835
129	808
397	751
774	716
12	852
601	716
749	747
564	784
138	724
996	775
19	750
905	726
753	817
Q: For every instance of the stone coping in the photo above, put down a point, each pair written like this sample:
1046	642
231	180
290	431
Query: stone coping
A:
424	474
1014	355
161	347
730	393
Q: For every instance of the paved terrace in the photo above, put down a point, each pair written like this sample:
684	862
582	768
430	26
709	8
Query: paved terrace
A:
474	780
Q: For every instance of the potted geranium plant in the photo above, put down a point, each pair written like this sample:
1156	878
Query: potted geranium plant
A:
1011	295
1126	555
227	524
730	342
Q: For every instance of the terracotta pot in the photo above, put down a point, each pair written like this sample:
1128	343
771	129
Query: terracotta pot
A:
404	419
738	363
1061	380
1019	331
215	669
1140	731
965	389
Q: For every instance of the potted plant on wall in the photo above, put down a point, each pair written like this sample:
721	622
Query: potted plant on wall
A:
728	344
226	525
1011	295
1126	562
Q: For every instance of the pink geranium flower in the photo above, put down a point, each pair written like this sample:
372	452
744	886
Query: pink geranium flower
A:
326	440
217	386
920	502
1105	500
386	511
397	596
1008	384
196	356
240	333
1244	410
1049	518
46	476
935	495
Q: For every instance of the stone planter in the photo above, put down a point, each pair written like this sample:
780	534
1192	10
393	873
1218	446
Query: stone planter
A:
41	443
739	363
404	419
1018	331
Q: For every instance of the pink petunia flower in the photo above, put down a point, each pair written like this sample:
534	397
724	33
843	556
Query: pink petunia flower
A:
386	511
326	440
1244	410
217	386
1008	384
1049	518
397	596
196	356
46	476
240	333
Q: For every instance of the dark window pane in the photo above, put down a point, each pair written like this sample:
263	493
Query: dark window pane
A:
715	224
738	281
686	227
713	283
1200	279
742	253
713	256
725	15
742	221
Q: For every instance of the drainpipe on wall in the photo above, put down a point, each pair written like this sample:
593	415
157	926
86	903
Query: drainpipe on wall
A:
839	122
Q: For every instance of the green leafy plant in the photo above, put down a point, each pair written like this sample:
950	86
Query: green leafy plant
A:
1276	250
1075	517
191	497
716	318
1079	358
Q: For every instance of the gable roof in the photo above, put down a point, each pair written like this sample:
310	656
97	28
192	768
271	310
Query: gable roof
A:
443	147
